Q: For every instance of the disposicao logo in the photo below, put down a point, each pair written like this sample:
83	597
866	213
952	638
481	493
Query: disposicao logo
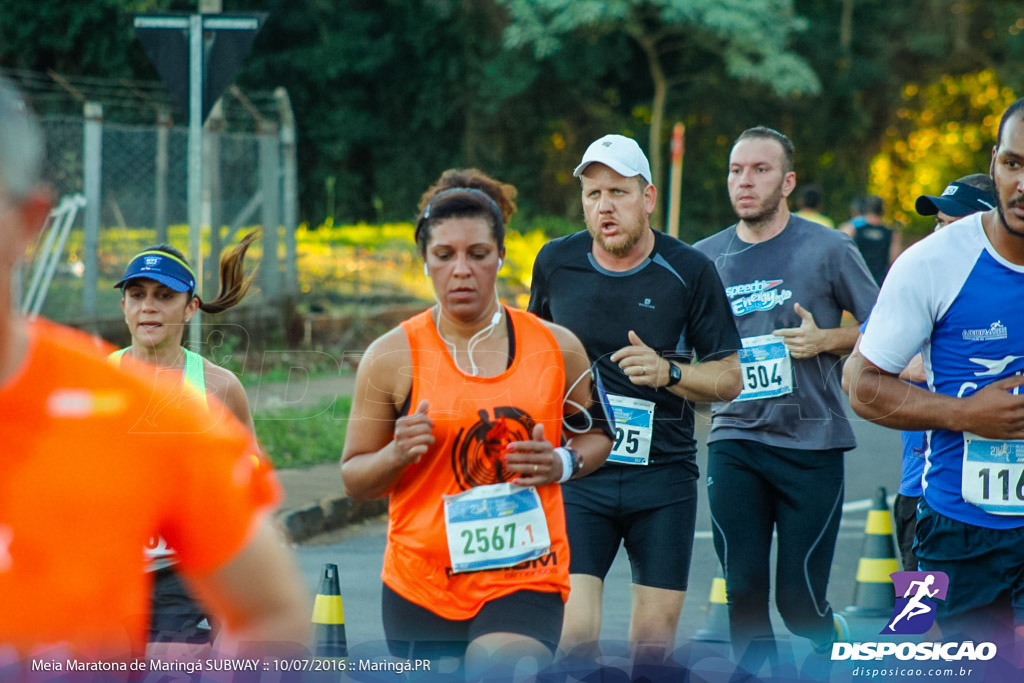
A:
915	612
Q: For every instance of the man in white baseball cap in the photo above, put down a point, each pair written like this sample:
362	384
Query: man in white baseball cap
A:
643	303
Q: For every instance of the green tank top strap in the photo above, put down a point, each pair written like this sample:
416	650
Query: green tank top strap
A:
194	375
115	358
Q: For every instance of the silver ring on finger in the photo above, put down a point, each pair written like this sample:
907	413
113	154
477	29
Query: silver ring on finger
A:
535	468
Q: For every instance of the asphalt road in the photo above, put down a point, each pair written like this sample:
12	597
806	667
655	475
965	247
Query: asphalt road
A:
874	463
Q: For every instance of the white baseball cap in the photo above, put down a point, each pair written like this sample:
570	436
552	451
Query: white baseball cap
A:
619	153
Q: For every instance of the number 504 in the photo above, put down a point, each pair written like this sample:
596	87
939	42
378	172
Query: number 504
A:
758	377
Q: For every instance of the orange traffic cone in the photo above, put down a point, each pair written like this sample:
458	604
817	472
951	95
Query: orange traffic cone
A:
873	595
329	615
716	626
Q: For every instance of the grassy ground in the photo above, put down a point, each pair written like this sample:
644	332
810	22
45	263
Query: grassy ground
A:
276	370
310	435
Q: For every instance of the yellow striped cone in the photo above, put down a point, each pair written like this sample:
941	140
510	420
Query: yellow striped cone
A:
329	615
716	626
873	595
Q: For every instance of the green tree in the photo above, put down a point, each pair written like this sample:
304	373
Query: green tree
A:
389	93
91	37
367	81
871	52
679	39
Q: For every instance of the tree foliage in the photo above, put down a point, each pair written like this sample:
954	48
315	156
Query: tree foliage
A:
388	93
92	37
943	130
681	40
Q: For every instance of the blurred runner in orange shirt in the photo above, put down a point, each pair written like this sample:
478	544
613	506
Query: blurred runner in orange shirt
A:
97	460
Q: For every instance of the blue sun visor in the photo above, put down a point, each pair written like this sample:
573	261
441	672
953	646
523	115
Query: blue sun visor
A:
162	267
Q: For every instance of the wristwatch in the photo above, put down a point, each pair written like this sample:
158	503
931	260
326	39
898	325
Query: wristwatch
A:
674	374
577	461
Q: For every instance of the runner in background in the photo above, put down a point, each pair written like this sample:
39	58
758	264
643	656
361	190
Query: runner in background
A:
451	408
775	454
158	297
962	197
98	460
856	216
956	297
878	243
809	203
652	313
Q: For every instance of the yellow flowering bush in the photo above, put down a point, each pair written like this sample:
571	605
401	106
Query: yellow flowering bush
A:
943	131
337	265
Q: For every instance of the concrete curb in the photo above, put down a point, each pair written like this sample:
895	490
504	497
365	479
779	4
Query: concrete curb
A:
327	515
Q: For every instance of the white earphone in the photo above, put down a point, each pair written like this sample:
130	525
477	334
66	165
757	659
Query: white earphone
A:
500	261
425	270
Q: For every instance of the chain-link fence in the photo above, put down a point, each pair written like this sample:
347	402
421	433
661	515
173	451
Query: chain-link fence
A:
125	154
135	179
130	161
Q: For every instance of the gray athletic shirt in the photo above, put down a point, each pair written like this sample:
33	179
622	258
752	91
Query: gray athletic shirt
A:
822	270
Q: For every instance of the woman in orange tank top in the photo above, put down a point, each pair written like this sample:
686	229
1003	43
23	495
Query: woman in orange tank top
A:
458	417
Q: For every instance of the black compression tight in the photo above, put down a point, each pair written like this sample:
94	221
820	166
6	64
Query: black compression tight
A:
754	489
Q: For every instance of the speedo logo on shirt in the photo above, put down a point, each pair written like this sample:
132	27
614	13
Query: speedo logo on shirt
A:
759	295
996	330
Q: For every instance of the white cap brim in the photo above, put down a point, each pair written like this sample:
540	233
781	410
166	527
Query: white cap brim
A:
619	153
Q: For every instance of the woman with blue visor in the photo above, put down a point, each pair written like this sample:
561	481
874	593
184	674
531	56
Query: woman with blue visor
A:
159	298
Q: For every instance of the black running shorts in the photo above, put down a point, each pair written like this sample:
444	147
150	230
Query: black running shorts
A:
652	509
415	632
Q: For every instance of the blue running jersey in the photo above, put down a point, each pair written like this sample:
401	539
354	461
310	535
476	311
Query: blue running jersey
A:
953	297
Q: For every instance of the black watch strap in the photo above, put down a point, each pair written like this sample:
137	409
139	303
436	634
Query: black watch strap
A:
674	374
577	461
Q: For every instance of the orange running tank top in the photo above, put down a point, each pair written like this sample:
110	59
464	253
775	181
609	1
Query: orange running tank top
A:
474	418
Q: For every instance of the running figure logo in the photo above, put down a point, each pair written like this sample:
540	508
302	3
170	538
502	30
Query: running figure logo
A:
915	611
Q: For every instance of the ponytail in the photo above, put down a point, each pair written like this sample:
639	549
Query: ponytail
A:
234	284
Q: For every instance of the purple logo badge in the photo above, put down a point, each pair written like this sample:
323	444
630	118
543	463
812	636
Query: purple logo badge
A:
914	612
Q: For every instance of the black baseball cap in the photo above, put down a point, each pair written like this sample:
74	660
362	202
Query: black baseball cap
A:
958	199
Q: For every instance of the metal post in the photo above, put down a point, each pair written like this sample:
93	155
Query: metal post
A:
163	134
213	193
270	178
92	180
675	188
290	185
68	209
212	200
195	162
51	230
